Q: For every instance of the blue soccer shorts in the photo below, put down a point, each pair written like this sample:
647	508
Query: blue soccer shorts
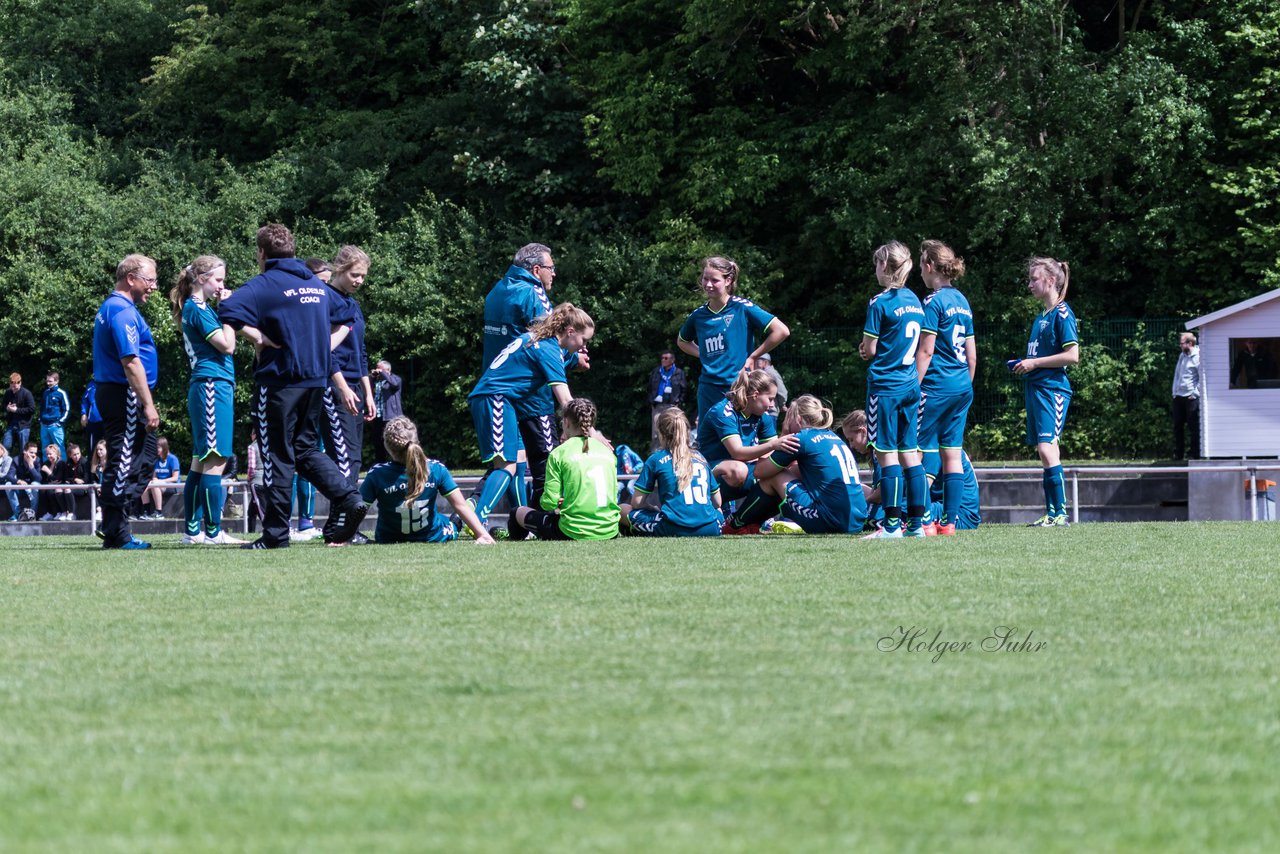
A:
942	419
210	405
497	432
651	523
892	418
1046	414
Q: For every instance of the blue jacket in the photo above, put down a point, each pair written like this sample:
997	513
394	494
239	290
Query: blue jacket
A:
89	403
55	406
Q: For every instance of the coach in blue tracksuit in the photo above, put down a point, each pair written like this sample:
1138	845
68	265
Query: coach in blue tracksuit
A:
288	315
55	406
125	369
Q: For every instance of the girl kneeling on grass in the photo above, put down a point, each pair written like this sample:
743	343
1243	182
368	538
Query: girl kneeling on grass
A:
689	497
580	500
739	430
405	491
821	493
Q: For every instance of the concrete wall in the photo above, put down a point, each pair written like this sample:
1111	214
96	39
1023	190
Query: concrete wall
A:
1214	495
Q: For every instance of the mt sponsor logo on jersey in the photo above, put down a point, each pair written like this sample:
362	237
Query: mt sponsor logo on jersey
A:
714	344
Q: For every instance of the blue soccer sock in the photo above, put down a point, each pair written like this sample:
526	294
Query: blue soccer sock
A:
755	507
891	487
212	497
495	484
516	491
952	493
1055	492
191	510
917	493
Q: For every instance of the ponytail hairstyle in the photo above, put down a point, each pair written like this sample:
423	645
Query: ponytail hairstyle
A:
1059	273
727	266
185	285
897	262
810	411
673	436
747	384
562	318
851	423
948	264
401	438
583	414
348	257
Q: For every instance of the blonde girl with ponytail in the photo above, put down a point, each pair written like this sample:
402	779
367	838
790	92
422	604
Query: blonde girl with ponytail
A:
739	430
821	493
678	477
528	363
580	500
405	492
1052	347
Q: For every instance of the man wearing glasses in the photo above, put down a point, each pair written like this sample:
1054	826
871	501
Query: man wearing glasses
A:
518	299
125	369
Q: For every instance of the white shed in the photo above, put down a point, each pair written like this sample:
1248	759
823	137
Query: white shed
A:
1240	378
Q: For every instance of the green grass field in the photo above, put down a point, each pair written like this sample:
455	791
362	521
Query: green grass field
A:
646	696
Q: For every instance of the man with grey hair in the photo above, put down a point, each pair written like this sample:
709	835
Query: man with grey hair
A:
519	298
386	404
125	368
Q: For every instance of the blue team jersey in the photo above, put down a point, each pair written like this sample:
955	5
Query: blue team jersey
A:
386	484
894	319
199	323
120	330
511	307
522	368
1052	332
349	357
293	308
689	508
723	421
948	316
829	471
726	337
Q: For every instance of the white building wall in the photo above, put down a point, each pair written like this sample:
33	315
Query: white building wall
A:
1237	422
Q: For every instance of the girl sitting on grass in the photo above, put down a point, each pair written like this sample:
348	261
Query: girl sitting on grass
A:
688	496
405	491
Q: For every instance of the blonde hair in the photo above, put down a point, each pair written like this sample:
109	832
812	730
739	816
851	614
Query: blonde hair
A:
855	420
562	318
747	384
726	266
583	414
948	264
673	436
1059	272
897	262
401	439
93	463
185	284
348	257
811	411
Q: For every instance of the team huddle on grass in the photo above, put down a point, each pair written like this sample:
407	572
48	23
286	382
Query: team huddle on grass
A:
742	472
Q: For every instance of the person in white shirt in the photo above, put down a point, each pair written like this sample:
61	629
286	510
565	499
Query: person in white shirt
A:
1186	398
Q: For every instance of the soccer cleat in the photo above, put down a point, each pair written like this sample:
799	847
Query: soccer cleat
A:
305	535
500	533
463	530
257	545
359	540
222	539
350	516
946	530
783	526
930	528
885	534
729	529
1047	521
193	539
135	544
914	531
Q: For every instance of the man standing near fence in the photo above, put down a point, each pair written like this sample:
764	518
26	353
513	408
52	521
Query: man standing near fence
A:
1186	398
125	368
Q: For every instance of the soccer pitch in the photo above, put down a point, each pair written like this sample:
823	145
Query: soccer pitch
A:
749	694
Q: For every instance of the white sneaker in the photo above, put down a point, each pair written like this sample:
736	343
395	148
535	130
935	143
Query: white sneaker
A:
883	534
305	536
223	539
197	540
66	517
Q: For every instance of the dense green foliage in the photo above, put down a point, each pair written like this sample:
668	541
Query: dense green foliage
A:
645	696
1138	143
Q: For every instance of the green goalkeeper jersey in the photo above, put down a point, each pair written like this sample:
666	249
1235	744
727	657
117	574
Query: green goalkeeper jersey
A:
583	486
